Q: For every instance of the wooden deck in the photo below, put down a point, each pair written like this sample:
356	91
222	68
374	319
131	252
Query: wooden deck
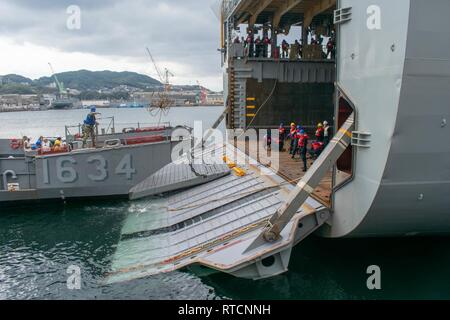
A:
292	170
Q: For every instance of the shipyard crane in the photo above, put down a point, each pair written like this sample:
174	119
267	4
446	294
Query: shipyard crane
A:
165	76
60	86
203	93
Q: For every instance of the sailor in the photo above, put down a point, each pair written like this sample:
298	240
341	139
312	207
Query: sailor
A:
326	133
38	143
299	49
249	41
26	143
292	133
285	48
57	146
258	47
268	138
303	146
46	145
296	141
282	137
320	132
267	43
330	48
320	40
89	127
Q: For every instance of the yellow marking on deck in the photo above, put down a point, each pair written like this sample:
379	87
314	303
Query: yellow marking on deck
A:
251	99
251	115
230	164
251	107
239	172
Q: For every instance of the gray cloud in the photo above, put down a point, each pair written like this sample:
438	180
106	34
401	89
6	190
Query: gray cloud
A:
181	31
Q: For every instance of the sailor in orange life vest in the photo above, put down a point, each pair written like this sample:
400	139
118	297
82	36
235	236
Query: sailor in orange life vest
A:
303	145
296	139
282	137
292	134
320	133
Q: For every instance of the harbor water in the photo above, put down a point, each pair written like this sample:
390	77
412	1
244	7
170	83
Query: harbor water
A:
39	244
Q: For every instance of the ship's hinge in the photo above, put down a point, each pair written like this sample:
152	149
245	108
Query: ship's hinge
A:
342	15
361	139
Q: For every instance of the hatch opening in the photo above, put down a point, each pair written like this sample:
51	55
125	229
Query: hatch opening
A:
345	164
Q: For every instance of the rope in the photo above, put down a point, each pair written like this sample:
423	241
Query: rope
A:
268	98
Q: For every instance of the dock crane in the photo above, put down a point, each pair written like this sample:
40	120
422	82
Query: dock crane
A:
165	76
60	86
203	93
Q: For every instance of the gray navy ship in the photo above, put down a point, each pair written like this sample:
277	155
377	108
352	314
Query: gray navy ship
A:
388	85
121	161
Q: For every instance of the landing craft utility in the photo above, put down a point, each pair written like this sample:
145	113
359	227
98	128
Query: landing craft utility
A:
80	170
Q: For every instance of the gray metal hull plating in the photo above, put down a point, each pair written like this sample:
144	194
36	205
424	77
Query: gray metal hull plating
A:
85	173
398	78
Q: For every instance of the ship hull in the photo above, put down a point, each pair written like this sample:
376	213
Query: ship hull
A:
398	82
89	173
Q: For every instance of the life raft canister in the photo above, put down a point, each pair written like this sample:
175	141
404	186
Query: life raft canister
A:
16	144
141	140
64	149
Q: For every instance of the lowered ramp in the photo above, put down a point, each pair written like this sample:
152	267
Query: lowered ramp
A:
211	225
241	224
177	176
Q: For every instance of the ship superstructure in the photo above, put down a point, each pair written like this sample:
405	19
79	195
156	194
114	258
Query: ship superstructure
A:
392	179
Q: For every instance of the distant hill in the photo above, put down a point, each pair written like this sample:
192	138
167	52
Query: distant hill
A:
88	83
14	79
95	80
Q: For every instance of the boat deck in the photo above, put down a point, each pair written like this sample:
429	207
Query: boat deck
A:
291	169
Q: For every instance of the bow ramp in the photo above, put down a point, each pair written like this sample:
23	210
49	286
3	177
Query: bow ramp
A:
241	224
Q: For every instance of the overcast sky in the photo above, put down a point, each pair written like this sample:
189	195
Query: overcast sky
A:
183	36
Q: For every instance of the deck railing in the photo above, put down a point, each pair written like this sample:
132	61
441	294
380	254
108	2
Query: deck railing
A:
109	126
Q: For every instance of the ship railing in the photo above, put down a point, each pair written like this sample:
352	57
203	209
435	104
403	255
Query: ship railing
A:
140	125
106	125
109	126
241	51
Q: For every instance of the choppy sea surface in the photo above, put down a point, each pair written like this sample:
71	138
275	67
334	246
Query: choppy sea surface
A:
38	244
